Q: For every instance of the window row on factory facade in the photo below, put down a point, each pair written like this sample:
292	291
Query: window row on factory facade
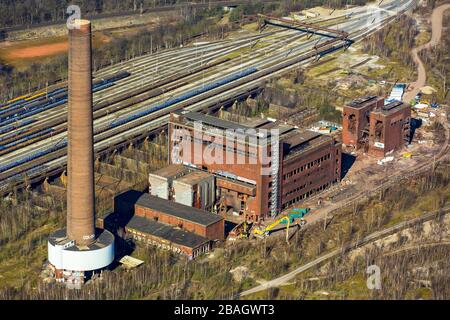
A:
191	138
304	196
314	172
296	189
319	175
222	146
306	166
200	250
147	239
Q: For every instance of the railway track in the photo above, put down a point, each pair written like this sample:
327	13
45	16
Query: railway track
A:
346	248
114	103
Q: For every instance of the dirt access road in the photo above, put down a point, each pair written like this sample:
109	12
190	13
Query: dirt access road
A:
436	26
346	248
319	216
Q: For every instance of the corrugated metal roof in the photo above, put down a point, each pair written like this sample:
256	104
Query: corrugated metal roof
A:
361	102
194	177
175	209
166	232
170	171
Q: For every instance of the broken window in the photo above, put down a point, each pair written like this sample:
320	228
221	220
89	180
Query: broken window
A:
352	123
379	130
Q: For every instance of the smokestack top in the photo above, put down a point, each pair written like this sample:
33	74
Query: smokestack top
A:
81	21
81	24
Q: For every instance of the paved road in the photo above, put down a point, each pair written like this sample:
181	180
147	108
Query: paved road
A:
370	238
436	25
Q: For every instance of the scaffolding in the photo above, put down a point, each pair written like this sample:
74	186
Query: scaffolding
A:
274	170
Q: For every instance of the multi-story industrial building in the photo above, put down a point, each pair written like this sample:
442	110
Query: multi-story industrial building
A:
356	120
374	127
389	128
200	222
261	170
311	163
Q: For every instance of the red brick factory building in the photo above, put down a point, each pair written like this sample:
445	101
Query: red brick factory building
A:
307	162
370	125
166	224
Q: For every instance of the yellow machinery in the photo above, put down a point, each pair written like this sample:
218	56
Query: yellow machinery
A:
287	219
265	232
407	155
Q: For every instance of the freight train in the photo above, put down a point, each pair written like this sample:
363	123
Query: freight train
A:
38	103
126	99
183	97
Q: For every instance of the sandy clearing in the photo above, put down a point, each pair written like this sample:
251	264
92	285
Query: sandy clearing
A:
38	51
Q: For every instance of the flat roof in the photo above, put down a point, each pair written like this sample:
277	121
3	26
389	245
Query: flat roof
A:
187	118
391	107
300	137
257	123
103	239
130	262
282	128
213	121
167	232
194	177
362	102
305	141
179	210
170	171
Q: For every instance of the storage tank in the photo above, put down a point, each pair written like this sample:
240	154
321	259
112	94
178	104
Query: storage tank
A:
195	189
160	181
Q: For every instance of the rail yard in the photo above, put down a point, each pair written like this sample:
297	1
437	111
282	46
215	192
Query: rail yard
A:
268	150
134	98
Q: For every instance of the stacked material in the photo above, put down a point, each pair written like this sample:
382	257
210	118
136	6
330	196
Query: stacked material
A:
385	160
396	93
421	106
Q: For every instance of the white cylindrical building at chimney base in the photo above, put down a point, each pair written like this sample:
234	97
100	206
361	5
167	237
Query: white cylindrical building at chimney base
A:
76	252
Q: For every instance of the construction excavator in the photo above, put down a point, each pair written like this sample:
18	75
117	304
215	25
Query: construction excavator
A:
288	219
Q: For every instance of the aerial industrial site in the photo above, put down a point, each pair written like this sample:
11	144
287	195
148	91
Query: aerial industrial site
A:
225	150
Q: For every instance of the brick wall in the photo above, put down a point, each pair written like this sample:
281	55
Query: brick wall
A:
212	232
307	174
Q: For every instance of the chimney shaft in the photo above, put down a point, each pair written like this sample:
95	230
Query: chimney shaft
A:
80	162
